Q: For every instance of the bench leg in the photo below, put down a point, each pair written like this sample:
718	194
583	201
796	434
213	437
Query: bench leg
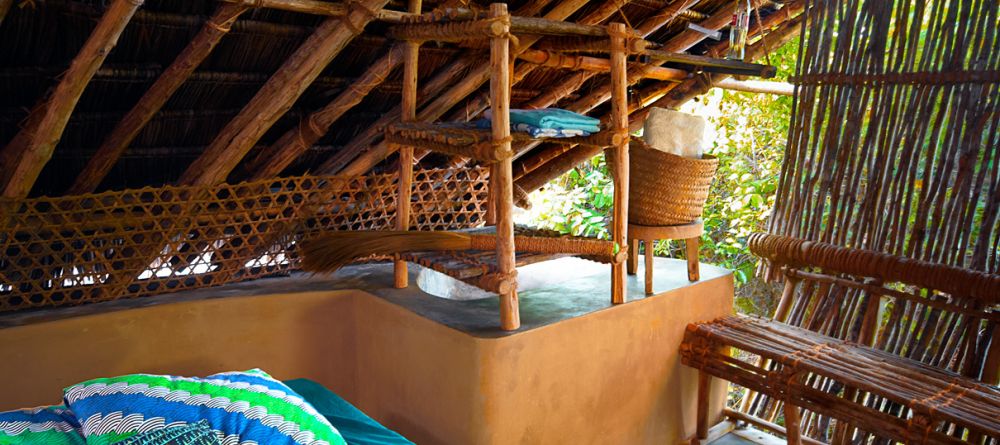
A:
633	256
692	258
792	424
650	245
704	394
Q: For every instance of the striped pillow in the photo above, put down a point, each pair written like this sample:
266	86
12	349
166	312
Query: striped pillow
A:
244	408
194	434
51	425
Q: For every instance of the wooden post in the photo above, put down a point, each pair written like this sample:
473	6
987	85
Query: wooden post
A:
359	155
792	424
704	400
633	256
784	30
166	85
501	175
278	95
409	113
4	8
650	245
691	253
619	124
22	160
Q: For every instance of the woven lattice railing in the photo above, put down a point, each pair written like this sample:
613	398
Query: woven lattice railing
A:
121	244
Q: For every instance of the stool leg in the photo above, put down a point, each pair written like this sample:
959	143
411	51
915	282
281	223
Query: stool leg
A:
692	258
792	424
633	256
704	394
650	245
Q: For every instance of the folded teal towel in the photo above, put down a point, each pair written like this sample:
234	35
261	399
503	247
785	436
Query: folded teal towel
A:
554	118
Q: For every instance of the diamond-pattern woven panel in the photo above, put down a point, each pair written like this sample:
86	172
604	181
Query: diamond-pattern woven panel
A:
120	244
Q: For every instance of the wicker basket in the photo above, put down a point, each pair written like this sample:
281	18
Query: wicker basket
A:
666	189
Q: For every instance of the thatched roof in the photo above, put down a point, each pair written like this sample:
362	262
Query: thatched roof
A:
39	39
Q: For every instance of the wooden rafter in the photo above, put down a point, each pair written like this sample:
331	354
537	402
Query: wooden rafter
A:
278	95
476	78
436	86
295	142
22	160
573	82
5	6
544	170
165	86
679	43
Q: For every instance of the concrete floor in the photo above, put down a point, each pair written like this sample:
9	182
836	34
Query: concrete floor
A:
548	292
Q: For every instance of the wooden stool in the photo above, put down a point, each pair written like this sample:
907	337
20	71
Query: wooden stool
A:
690	233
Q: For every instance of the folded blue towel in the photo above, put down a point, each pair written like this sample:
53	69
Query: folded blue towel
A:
536	132
553	118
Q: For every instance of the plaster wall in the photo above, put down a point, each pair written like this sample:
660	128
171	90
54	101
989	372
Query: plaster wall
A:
609	376
302	335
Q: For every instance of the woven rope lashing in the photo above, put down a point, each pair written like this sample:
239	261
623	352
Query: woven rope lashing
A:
597	248
439	15
783	250
572	44
922	78
452	31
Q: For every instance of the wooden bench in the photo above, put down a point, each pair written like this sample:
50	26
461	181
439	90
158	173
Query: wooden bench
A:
869	346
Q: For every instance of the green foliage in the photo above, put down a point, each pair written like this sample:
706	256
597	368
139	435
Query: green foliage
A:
750	138
578	202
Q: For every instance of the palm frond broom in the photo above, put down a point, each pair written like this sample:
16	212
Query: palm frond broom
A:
331	251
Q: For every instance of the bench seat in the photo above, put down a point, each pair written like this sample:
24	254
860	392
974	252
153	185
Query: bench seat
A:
801	357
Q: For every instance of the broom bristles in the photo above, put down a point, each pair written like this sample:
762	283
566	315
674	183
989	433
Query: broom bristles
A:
330	252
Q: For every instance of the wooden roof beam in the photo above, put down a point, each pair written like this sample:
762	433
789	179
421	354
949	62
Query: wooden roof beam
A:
574	81
679	43
297	141
367	156
540	173
595	64
324	8
5	6
22	160
153	100
278	95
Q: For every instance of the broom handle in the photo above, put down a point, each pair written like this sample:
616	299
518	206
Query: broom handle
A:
537	244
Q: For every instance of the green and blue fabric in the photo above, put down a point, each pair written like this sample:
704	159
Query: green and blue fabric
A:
194	434
243	408
50	425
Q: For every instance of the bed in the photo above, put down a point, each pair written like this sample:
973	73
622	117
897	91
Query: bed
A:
356	427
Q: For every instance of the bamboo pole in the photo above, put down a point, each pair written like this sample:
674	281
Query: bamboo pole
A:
703	406
757	86
359	155
5	6
546	171
585	63
24	157
792	424
619	125
409	110
152	101
573	82
335	9
500	172
295	142
278	95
